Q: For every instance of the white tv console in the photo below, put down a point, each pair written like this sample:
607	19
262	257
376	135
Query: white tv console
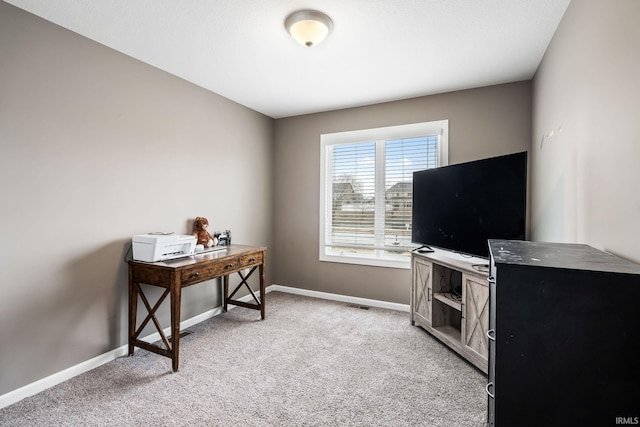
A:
450	299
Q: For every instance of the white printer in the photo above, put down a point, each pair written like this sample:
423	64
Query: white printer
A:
162	246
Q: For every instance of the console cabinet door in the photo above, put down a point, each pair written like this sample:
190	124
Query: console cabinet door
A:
475	294
422	291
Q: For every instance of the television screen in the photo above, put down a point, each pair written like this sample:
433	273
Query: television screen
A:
459	207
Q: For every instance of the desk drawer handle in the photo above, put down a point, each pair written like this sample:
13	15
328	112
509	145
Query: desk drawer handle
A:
252	259
491	334
196	274
229	266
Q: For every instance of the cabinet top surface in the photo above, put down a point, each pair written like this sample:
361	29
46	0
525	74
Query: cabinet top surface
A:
559	255
229	251
467	264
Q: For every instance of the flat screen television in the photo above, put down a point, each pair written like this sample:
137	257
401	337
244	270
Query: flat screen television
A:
459	207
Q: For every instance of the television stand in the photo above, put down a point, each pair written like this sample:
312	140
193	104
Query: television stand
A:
450	300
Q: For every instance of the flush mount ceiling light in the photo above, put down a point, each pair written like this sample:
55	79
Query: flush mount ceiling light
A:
308	27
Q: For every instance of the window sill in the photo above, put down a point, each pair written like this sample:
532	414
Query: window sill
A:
403	263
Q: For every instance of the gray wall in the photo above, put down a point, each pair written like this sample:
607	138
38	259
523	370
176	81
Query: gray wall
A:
483	123
586	177
96	147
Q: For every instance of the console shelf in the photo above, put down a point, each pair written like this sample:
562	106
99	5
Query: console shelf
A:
449	299
444	298
450	332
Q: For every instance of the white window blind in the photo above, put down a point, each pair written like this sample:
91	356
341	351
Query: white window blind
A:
402	158
353	185
367	191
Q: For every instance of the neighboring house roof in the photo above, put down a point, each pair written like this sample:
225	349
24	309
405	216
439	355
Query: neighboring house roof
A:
401	187
342	188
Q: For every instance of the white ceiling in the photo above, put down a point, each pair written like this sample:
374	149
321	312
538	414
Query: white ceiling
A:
379	50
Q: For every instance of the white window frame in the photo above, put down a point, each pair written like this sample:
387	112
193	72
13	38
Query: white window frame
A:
378	258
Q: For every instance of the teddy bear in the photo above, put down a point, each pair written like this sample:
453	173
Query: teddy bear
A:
200	231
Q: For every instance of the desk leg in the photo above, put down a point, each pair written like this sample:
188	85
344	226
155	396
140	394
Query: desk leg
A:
133	309
175	322
262	292
225	293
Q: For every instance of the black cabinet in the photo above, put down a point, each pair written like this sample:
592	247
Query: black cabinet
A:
564	345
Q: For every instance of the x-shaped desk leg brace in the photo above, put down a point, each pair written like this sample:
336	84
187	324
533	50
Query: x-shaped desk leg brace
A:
229	298
151	316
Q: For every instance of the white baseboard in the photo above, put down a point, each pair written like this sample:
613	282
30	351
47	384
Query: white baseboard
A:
338	297
36	387
59	377
66	374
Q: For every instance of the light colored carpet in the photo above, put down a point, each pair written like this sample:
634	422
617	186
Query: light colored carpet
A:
312	362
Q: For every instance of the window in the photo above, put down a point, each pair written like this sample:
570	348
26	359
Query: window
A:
367	190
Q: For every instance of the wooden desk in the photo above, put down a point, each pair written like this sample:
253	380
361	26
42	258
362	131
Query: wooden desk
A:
173	275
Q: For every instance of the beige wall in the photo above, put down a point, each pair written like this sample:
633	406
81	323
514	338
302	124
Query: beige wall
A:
96	147
586	177
483	123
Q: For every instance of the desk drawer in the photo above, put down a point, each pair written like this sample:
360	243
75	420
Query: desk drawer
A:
252	259
200	274
152	276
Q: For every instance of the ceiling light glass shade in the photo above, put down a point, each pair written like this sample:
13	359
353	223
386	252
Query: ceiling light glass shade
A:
308	27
